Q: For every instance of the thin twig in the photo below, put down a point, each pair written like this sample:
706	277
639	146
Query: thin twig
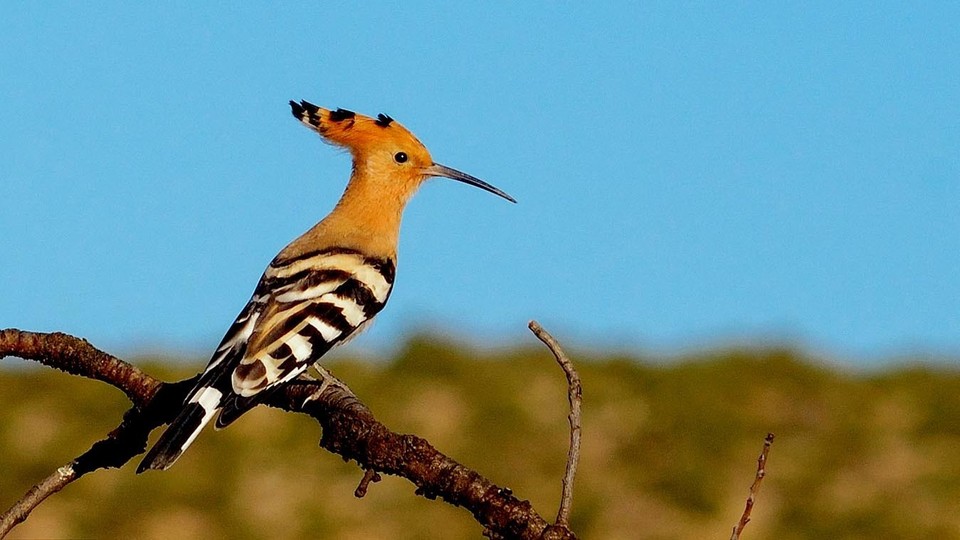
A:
754	488
127	440
575	396
50	485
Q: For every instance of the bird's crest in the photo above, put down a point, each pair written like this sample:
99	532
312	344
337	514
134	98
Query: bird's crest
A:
354	131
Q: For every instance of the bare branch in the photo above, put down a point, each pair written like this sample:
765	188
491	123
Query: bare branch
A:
50	485
575	396
77	357
349	429
754	488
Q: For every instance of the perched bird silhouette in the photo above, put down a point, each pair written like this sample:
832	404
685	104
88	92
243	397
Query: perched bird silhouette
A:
321	289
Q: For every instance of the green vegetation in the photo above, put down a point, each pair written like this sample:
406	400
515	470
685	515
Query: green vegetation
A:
669	450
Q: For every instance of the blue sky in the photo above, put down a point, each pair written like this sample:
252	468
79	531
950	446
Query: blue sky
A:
688	175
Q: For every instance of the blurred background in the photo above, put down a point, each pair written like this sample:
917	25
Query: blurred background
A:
739	218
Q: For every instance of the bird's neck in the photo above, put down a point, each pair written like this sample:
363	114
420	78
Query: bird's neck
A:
367	219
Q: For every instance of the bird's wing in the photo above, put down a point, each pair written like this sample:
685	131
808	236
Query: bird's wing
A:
302	307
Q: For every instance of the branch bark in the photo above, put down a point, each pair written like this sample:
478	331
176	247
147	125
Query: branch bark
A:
575	397
349	429
754	488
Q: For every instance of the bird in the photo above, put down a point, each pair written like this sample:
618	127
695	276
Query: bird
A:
321	289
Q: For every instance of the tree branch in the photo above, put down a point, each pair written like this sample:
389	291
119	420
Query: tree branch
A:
349	429
754	488
37	494
575	396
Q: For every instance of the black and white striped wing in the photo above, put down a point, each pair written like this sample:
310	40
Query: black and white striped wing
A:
304	307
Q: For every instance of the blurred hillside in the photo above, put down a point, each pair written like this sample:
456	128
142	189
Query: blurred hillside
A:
669	450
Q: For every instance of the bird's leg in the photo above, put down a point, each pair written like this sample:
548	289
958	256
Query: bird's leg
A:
328	381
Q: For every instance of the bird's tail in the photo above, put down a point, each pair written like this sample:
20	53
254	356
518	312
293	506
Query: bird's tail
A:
199	410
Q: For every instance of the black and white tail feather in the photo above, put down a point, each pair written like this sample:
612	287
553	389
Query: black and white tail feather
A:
302	307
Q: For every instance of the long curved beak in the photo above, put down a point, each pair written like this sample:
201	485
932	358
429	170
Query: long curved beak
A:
442	170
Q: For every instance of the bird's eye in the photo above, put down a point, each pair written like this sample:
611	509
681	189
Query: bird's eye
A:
400	157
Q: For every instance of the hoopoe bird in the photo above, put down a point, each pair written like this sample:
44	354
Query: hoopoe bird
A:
324	287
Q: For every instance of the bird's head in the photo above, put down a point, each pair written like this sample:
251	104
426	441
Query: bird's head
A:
381	147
